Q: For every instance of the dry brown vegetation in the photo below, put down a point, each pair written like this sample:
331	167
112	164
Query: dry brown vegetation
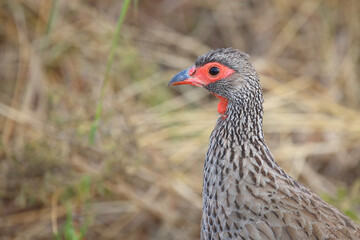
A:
142	178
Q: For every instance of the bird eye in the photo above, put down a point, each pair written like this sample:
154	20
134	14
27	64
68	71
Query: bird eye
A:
214	71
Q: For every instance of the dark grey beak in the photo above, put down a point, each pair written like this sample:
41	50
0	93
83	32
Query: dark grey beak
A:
180	77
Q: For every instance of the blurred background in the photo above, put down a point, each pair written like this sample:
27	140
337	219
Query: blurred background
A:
140	177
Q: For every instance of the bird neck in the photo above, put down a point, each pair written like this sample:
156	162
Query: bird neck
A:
239	136
241	124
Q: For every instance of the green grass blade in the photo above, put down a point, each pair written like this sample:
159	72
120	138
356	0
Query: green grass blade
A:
51	17
115	41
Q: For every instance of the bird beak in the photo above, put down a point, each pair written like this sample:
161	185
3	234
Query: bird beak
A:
186	77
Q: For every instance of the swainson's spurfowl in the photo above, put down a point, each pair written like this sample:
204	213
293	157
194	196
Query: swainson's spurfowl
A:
246	195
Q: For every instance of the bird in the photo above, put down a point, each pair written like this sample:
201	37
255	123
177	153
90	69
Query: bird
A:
246	194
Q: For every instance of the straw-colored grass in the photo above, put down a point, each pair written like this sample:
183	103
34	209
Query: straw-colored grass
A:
142	177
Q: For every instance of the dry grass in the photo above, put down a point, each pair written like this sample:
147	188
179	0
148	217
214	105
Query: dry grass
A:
142	178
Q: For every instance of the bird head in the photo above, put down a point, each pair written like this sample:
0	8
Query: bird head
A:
226	73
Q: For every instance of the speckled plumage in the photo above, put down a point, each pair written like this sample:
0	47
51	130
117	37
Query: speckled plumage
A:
246	195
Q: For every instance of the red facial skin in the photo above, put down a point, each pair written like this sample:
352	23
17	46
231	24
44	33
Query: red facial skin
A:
201	77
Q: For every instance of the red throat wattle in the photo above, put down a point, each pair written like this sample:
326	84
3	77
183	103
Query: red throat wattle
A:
222	105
